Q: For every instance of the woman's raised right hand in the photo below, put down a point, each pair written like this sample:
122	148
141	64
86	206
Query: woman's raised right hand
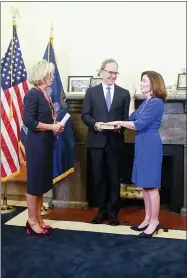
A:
133	92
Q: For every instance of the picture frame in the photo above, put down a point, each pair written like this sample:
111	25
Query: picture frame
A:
181	82
78	83
94	81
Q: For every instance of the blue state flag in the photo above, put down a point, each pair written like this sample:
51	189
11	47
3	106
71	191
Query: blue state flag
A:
64	147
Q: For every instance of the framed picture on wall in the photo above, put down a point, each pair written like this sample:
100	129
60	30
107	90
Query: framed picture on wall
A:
78	83
181	82
94	81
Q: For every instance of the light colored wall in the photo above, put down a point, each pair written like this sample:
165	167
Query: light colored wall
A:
139	36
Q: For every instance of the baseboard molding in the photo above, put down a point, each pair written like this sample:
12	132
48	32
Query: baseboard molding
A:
68	204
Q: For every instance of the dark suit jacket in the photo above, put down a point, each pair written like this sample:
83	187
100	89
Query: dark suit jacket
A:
95	110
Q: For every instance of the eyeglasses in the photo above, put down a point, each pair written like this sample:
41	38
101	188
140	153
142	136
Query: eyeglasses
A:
111	72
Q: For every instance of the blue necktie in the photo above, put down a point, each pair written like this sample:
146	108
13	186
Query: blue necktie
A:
108	98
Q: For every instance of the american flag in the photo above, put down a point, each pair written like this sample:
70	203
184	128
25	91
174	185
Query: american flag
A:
14	86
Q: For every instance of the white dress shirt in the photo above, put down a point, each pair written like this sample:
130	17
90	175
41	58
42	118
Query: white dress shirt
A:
105	90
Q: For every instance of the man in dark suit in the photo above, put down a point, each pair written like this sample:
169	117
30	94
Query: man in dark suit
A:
104	103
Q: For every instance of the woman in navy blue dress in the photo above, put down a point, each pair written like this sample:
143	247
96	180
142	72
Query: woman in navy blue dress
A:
148	146
38	117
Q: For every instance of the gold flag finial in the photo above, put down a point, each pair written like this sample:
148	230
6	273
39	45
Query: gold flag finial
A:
97	73
52	33
15	14
51	38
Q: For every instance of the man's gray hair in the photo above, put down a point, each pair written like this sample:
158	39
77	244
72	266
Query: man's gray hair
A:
107	61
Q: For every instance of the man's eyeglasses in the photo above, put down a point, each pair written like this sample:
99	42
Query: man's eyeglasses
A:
111	72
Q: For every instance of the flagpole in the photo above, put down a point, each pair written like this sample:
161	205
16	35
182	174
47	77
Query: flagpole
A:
11	65
15	14
5	208
45	210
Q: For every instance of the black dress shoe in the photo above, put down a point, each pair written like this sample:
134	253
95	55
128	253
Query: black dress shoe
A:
144	235
135	228
113	221
99	219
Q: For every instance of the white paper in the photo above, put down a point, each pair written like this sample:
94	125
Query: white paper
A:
64	120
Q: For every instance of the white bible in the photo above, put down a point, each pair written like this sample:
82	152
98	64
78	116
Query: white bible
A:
107	126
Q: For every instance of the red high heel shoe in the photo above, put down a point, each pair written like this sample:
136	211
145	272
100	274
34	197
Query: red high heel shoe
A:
30	231
47	227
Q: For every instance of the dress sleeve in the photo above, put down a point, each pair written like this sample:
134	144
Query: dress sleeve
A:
30	110
132	116
154	107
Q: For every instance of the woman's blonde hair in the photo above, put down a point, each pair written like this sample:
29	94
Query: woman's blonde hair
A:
39	71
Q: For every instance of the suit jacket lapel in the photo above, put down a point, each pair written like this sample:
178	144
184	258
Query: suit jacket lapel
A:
102	97
114	99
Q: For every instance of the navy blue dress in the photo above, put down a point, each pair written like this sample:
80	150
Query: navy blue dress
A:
148	145
38	144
